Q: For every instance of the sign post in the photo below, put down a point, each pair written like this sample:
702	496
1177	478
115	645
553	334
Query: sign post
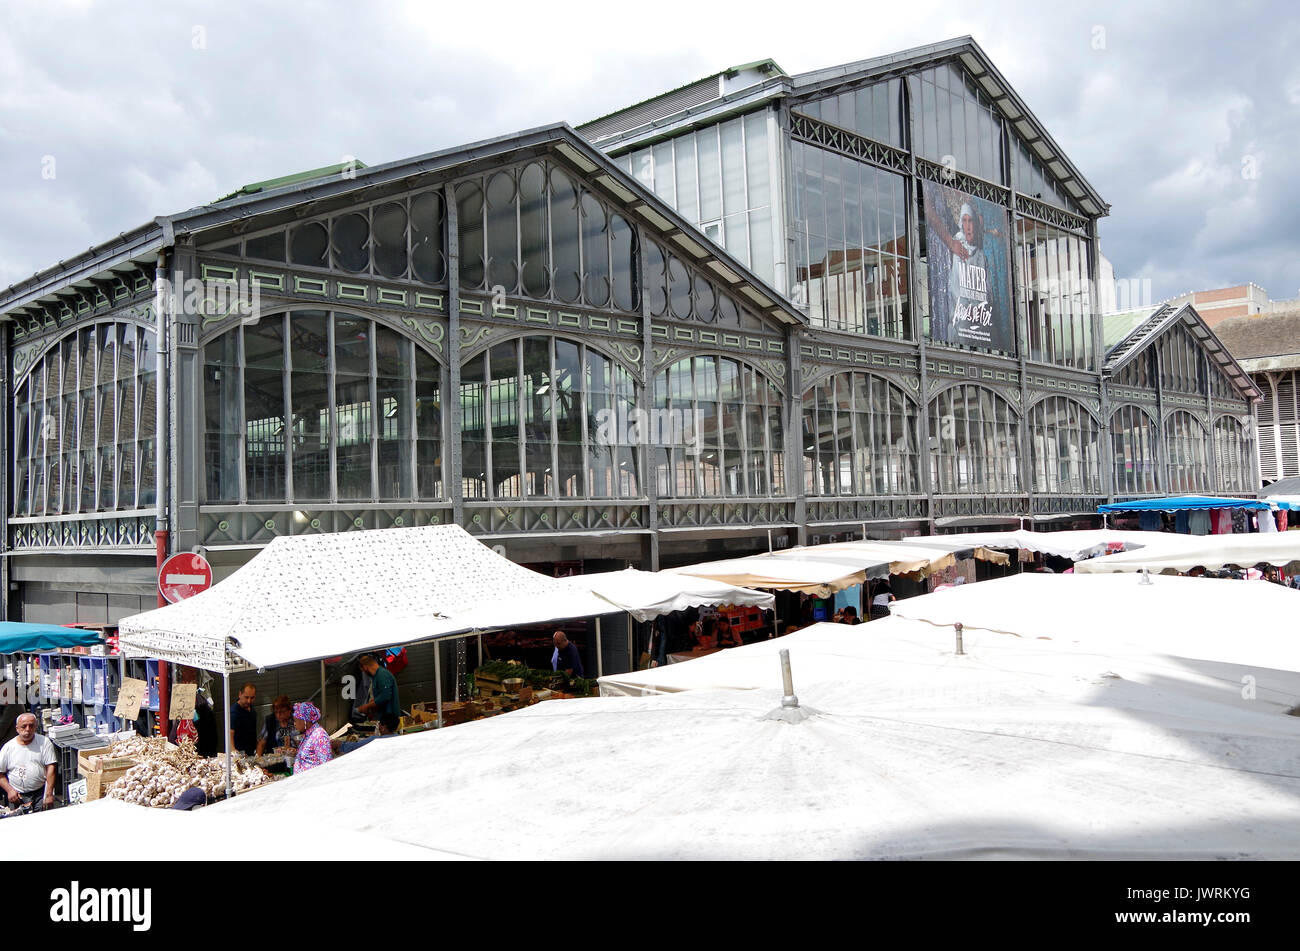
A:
183	576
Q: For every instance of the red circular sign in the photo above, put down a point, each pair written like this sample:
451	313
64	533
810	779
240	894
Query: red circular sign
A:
183	576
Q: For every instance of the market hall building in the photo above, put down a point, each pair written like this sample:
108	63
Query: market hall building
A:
780	308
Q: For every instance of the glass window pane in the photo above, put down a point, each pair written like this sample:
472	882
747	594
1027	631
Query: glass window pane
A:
428	238
565	227
350	237
390	239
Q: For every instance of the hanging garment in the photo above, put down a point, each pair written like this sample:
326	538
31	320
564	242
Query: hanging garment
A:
1281	520
1150	521
1221	521
1240	524
1198	522
1181	524
1266	522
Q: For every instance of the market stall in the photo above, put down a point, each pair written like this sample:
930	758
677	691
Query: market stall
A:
818	576
305	598
1212	552
1034	748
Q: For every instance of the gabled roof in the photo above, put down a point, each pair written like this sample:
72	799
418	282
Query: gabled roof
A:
708	89
1146	332
293	179
1115	327
139	247
1261	335
658	117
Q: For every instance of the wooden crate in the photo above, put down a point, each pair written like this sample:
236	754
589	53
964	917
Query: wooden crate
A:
86	764
98	783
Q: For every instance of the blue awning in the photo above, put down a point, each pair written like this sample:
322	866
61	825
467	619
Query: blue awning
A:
1181	502
17	637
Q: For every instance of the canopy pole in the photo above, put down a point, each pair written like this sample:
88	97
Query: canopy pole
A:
864	531
631	643
437	680
225	690
787	680
769	541
600	660
322	688
958	628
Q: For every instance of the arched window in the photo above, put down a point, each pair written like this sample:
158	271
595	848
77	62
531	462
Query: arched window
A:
1186	453
859	438
716	431
84	424
1066	444
1133	440
545	417
536	230
321	406
1234	464
974	442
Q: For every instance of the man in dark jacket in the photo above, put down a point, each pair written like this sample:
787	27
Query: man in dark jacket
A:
566	656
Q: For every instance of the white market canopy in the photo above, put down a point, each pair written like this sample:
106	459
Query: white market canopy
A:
1242	622
1022	748
314	596
821	570
648	594
1183	552
1074	545
807	575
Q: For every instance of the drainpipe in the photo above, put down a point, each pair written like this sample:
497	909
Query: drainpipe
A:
163	300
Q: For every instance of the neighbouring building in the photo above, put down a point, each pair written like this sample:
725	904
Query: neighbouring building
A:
1267	345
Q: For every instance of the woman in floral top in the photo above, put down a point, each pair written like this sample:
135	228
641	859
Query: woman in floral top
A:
314	749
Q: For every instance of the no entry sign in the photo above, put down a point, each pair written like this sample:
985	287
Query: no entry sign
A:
183	576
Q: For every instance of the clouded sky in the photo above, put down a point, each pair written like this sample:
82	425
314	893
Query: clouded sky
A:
1184	116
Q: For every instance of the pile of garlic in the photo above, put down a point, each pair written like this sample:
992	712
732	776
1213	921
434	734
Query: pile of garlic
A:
164	772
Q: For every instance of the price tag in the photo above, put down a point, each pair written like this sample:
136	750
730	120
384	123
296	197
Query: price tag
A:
182	701
129	697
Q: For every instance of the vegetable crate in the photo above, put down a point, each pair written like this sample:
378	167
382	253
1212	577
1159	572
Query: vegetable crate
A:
101	771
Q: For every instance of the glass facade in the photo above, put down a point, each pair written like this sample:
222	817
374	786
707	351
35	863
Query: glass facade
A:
1139	372
399	238
718	431
873	111
533	231
674	290
84	424
1186	455
859	438
720	179
1053	291
545	417
321	406
955	124
850	244
1134	444
974	442
1234	462
1182	361
1034	180
1066	445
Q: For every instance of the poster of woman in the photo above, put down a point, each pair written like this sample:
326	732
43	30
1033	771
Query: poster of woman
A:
969	278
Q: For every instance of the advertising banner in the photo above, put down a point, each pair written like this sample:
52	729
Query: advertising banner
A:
969	270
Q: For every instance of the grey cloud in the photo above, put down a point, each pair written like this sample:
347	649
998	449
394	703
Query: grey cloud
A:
141	123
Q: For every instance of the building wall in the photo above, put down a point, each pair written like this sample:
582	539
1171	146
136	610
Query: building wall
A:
457	351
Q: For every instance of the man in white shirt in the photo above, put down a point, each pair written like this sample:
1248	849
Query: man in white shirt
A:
27	763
